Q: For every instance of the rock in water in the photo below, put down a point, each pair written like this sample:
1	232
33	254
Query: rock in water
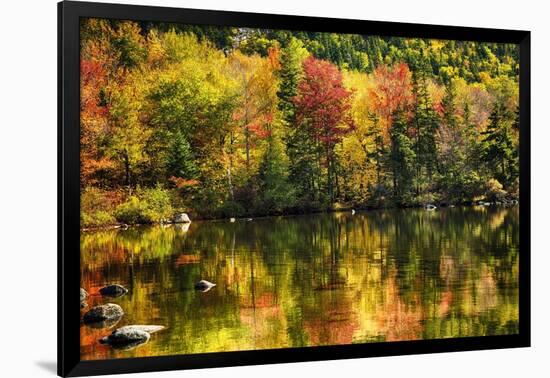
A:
83	295
129	337
145	328
183	227
113	291
104	312
204	285
126	336
182	218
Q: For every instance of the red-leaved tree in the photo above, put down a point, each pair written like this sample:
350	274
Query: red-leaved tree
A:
393	92
94	113
323	109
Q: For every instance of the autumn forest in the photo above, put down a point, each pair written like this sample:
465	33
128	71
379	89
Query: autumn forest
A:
223	122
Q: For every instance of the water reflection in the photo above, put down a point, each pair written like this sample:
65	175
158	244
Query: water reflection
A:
310	280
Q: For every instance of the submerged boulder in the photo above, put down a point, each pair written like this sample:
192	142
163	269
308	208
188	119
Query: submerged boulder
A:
204	285
113	290
131	336
109	311
182	218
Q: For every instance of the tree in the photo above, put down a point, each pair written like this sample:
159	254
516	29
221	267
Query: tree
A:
289	73
94	118
402	157
499	151
180	161
257	88
392	97
379	152
129	134
192	95
299	148
456	142
323	109
425	128
392	92
277	193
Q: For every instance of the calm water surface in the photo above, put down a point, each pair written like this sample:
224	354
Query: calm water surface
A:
320	279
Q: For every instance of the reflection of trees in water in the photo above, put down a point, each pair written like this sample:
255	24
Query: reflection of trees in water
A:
313	280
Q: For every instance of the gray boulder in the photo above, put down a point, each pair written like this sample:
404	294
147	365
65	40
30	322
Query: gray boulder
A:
126	338
109	311
145	328
204	285
131	336
183	227
182	218
113	291
83	295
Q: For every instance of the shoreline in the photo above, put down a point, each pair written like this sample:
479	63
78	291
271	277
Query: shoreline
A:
290	214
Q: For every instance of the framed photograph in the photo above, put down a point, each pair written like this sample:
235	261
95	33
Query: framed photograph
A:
239	188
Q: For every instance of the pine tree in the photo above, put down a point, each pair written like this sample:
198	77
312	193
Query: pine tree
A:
425	125
378	154
277	194
448	103
300	149
289	74
498	149
402	157
180	161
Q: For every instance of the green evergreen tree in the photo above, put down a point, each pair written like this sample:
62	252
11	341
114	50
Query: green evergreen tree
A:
498	150
277	194
450	117
379	153
289	74
300	149
402	157
425	124
180	161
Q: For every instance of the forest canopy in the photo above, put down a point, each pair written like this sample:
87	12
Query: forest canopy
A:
231	122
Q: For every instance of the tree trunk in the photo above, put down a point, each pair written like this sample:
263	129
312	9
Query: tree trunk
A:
230	166
329	174
247	143
127	171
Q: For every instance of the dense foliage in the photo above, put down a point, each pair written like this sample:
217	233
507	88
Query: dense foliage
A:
228	122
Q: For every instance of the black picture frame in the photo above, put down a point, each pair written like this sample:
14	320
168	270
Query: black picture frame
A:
69	363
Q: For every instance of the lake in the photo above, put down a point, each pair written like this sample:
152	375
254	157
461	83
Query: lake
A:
319	279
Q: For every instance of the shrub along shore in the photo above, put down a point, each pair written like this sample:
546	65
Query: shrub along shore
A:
155	207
